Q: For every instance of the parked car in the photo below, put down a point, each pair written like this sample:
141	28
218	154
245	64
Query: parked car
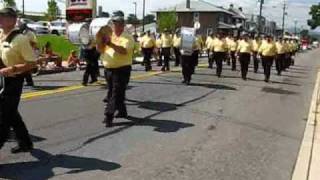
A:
40	27
58	27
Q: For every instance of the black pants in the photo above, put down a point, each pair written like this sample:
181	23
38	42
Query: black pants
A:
280	63
187	63
196	57
244	62
255	62
166	54
91	71
287	60
117	82
233	60
177	55
9	114
219	58
29	80
147	58
267	62
211	59
160	60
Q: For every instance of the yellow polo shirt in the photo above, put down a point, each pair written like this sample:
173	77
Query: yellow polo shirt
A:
166	41
148	42
218	45
31	36
19	51
232	45
208	42
268	49
112	59
280	48
256	45
176	41
158	43
245	47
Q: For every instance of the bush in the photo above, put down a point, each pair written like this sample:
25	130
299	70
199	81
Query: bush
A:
59	44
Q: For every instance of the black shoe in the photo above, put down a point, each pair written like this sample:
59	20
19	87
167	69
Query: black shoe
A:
84	84
121	115
108	120
183	81
30	84
21	149
105	100
163	69
210	67
266	80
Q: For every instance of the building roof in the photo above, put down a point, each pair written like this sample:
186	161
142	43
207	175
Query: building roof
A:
237	13
196	6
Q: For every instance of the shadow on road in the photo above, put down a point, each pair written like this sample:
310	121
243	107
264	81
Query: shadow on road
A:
278	91
43	88
46	164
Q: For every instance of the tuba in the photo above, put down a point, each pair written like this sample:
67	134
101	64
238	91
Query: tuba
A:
102	34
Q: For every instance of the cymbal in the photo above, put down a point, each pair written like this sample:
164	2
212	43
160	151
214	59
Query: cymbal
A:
104	32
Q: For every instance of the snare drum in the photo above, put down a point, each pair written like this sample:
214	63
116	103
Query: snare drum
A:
78	33
96	25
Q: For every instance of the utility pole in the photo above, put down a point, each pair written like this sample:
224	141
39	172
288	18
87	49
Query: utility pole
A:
143	14
260	17
284	16
22	8
135	15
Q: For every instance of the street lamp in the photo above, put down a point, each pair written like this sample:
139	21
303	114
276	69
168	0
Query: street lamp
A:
295	27
135	15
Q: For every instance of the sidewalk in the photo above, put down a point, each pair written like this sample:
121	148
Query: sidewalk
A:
308	161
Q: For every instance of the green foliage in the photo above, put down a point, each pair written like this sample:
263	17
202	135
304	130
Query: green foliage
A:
10	2
315	16
132	19
167	20
60	44
53	10
149	18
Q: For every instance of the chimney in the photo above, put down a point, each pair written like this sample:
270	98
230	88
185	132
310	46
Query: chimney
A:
240	9
188	4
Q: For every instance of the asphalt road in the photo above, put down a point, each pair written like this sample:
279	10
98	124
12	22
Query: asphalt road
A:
215	129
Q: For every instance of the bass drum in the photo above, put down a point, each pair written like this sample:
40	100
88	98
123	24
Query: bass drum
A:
78	33
96	24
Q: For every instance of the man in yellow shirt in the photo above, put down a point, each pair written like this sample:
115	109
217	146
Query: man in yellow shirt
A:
280	59
148	44
244	50
219	48
117	60
268	51
256	43
166	44
17	57
176	47
232	46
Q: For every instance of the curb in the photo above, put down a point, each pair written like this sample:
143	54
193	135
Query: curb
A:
308	162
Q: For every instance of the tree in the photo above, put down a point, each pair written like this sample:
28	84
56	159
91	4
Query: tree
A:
315	16
53	10
149	18
132	19
167	20
10	3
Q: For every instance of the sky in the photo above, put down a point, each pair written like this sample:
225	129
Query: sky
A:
297	9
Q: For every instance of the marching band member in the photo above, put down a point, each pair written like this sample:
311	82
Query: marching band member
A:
268	51
219	48
244	50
